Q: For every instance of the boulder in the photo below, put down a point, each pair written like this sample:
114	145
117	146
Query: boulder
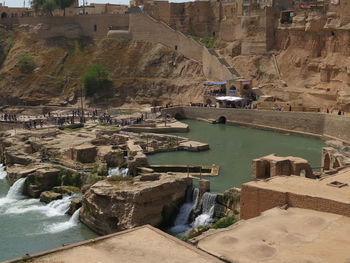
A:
66	190
111	206
75	204
85	153
49	196
114	158
13	156
44	179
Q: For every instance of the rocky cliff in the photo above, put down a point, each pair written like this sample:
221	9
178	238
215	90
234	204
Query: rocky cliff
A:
141	72
110	206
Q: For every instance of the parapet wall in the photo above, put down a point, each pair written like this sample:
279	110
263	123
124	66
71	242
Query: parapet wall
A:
90	25
299	122
255	200
307	123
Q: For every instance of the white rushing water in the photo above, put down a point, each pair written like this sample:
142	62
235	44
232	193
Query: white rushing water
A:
181	223
208	206
2	172
59	227
54	208
15	192
118	171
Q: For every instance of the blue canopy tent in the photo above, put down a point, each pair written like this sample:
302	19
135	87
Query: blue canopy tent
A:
214	83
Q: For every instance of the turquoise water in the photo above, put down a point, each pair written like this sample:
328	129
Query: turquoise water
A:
233	148
29	226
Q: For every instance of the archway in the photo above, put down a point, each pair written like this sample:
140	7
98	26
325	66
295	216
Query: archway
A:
336	163
232	90
222	120
326	162
302	173
3	15
178	116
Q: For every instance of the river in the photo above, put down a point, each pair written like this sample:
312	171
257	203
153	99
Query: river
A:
233	148
29	226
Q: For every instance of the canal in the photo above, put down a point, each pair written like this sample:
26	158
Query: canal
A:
233	148
30	226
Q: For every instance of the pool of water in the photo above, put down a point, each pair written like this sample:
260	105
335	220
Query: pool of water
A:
29	226
233	148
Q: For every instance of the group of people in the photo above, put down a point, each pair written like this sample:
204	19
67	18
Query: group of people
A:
33	124
8	116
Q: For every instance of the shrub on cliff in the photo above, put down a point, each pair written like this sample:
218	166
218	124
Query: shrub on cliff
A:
25	63
95	80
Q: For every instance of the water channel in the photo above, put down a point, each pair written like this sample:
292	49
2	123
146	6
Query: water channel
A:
233	148
29	226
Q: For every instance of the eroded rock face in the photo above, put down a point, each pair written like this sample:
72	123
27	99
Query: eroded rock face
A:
44	179
49	196
111	206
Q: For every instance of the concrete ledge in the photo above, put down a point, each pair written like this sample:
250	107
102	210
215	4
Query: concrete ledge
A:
168	248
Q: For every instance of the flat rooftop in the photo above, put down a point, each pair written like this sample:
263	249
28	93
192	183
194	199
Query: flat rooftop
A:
309	187
138	245
289	236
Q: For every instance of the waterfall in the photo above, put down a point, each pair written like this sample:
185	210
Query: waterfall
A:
195	198
14	193
208	210
2	172
118	171
75	217
16	190
181	223
60	206
63	226
208	201
54	208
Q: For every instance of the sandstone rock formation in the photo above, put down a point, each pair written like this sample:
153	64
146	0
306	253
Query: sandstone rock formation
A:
110	206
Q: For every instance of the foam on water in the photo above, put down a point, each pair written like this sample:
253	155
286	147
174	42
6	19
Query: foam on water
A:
208	206
181	223
118	171
54	208
2	172
63	226
204	219
15	192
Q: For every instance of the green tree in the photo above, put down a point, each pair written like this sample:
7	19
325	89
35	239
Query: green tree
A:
95	79
44	6
63	4
48	6
25	63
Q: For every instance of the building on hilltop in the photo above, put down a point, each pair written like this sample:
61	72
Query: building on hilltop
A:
101	9
8	12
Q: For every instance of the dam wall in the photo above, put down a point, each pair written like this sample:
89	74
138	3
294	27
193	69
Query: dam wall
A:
305	123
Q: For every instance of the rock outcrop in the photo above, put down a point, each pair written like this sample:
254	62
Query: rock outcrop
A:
111	206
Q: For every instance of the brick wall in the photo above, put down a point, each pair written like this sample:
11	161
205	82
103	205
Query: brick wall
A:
256	200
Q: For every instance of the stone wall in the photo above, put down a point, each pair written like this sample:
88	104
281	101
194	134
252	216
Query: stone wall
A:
256	200
298	122
90	25
337	127
144	27
308	123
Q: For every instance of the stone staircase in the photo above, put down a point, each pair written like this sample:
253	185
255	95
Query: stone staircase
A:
224	63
